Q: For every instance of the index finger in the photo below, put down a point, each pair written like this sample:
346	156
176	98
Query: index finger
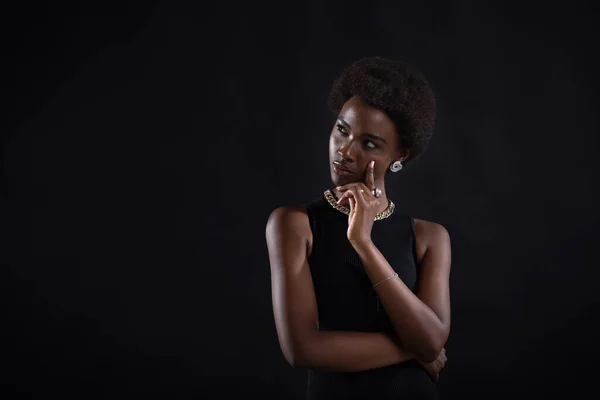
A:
370	178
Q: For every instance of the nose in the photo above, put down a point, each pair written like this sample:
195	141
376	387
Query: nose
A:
347	151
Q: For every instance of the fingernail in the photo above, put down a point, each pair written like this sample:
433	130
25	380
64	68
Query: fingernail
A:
372	164
338	187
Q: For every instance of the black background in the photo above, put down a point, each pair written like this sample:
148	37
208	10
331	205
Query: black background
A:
145	145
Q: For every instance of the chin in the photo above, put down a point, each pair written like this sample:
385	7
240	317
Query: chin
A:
335	179
338	180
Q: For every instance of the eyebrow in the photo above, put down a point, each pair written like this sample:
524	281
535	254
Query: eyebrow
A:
370	135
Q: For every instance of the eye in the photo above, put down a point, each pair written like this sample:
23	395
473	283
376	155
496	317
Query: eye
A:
371	144
342	129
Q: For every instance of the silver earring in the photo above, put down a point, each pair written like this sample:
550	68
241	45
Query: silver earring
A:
396	166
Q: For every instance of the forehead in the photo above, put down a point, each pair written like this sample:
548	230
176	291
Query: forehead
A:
366	117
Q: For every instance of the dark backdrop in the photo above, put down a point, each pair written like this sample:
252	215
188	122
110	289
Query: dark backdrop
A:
147	143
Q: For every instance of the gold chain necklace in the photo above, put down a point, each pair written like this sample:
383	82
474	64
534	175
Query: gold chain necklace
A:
333	202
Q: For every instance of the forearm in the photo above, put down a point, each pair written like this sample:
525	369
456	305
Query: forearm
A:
417	325
342	351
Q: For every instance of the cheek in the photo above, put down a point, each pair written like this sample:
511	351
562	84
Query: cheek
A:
333	142
381	164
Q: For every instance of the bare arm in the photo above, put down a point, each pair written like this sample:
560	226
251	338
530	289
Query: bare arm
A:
422	321
295	307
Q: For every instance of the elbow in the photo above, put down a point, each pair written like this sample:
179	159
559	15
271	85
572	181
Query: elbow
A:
299	349
297	360
298	356
293	360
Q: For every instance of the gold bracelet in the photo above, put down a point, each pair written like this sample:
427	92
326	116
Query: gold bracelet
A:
386	279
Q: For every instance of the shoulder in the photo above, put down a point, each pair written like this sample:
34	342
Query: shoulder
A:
429	229
288	233
430	234
287	218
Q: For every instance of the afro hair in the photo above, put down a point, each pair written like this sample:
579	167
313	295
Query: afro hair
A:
396	88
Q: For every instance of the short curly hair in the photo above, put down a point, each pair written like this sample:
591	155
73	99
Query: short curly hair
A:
396	88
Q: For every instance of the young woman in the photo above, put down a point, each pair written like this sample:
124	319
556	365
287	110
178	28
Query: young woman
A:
361	291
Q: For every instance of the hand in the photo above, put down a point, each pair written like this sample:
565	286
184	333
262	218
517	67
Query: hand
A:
434	368
363	206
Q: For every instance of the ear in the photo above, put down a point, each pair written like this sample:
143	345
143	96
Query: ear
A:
401	155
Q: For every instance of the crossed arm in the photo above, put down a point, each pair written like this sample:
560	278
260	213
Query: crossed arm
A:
421	331
421	320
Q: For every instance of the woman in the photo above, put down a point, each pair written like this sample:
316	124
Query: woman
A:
360	291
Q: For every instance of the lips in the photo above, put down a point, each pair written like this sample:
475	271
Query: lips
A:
342	169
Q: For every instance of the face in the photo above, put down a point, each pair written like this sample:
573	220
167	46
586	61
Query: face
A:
362	133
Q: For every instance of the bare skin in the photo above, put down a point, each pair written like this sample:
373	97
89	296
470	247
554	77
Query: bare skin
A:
362	136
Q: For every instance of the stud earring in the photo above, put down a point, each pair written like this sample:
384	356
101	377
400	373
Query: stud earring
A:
396	166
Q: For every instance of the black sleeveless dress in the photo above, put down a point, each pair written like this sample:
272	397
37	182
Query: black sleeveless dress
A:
346	301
